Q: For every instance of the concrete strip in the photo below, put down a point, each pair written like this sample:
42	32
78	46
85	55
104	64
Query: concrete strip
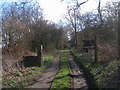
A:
48	75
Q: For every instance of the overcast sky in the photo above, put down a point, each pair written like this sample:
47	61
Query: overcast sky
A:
54	10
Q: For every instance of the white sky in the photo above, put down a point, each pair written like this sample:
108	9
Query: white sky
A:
54	10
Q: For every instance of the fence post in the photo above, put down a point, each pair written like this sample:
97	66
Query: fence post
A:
41	46
39	55
96	49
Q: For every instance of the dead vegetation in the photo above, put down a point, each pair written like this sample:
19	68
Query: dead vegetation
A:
12	58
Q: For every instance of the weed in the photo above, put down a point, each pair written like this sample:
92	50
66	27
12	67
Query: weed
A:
18	73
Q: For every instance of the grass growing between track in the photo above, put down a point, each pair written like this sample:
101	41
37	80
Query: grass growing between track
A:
62	79
105	74
20	78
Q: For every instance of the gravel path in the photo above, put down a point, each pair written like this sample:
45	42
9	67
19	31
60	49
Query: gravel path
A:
78	79
48	75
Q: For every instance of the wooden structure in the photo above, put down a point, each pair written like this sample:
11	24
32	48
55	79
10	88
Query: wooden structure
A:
91	45
88	45
39	55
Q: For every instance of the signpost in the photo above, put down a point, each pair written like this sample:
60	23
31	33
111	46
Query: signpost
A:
88	44
91	45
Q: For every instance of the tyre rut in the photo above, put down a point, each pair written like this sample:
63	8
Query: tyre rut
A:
78	80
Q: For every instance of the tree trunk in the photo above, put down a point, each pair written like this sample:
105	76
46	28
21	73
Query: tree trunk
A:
75	38
10	40
99	12
75	29
119	31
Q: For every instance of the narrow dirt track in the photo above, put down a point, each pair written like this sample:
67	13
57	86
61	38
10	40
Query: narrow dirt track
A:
78	80
48	75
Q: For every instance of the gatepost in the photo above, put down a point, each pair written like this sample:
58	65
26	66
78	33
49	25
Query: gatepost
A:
96	49
39	55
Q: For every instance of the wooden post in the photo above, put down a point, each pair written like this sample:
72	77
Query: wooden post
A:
39	55
96	50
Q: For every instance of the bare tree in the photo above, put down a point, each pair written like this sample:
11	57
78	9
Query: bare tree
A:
96	36
73	14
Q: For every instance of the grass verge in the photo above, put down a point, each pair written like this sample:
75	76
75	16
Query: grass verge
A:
105	74
62	79
21	78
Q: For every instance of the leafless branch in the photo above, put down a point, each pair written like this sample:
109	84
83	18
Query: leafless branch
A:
78	4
